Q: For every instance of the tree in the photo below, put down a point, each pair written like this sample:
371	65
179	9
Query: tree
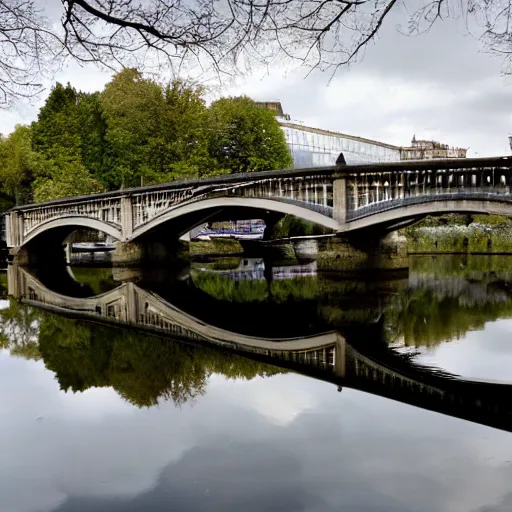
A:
133	108
184	151
67	134
213	34
244	137
153	133
58	124
63	176
18	165
71	122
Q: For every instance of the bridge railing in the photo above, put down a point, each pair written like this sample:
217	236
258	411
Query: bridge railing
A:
393	203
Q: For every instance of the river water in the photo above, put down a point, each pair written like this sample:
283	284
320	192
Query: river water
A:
287	390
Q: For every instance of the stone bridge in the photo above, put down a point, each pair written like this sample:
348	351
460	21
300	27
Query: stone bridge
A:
328	356
342	198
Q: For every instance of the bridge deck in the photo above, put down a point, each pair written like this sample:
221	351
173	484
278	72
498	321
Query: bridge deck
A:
347	170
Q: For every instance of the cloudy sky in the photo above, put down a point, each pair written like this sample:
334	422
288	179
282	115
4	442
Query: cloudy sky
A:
439	85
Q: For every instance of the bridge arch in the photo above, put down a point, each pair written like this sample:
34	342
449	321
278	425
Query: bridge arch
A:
399	212
220	203
73	222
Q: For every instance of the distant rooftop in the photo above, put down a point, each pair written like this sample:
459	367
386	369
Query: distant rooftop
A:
272	105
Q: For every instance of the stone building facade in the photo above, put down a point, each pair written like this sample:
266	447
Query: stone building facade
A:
430	149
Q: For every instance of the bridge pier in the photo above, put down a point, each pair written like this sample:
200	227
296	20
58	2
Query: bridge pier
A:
373	251
150	251
271	220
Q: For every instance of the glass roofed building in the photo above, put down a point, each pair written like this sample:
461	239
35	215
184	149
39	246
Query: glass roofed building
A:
313	147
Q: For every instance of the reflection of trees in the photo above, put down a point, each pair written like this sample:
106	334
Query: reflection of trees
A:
470	266
279	291
423	317
298	288
19	330
328	302
99	279
143	369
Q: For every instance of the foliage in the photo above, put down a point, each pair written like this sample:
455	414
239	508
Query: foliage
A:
135	132
65	136
238	126
64	177
473	238
424	318
18	165
133	108
143	369
19	330
281	291
223	288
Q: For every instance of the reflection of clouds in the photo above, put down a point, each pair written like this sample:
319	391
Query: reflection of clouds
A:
282	443
59	444
94	404
280	398
484	355
503	505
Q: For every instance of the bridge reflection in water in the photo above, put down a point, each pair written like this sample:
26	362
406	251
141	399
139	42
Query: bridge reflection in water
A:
334	356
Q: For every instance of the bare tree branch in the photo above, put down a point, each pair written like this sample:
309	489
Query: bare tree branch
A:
220	36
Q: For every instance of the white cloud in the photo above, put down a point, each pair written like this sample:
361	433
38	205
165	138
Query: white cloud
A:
293	398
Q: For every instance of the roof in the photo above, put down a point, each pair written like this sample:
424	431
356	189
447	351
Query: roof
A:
338	134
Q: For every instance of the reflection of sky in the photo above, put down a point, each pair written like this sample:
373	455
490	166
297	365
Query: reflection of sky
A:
283	443
484	355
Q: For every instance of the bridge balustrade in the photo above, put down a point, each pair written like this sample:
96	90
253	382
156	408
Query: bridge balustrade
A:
370	193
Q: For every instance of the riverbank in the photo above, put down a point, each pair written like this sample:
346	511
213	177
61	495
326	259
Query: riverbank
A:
457	234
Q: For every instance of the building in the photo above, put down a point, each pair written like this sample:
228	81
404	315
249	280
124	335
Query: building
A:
314	147
273	105
430	149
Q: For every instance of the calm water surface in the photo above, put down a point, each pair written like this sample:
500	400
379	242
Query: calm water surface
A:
101	417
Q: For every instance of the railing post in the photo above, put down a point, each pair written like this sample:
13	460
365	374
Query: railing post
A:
13	229
340	363
126	217
339	197
9	240
14	279
131	304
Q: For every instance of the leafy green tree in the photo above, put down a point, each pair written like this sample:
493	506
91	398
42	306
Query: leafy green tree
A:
180	149
18	165
154	133
93	127
68	135
63	176
133	108
135	132
58	124
244	137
